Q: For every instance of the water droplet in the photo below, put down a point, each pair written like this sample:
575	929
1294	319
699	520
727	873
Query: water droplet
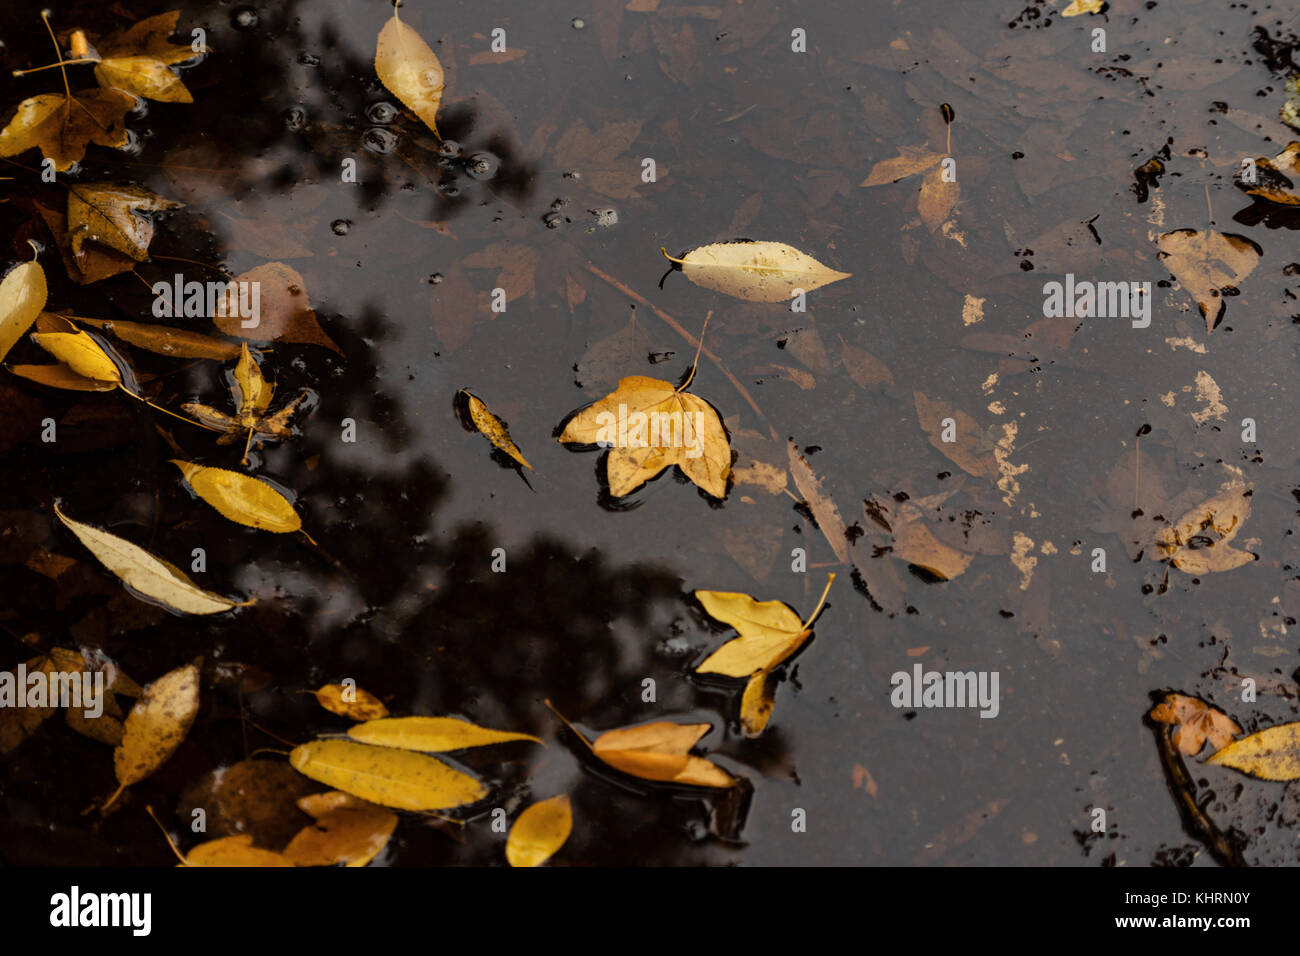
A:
578	23
308	59
295	117
341	226
449	147
381	113
482	166
435	278
243	18
379	140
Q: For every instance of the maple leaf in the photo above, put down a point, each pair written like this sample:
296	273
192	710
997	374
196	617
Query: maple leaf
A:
139	60
1194	722
63	125
253	393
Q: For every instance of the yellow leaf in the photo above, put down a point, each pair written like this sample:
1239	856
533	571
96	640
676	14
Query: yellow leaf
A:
163	339
157	724
254	390
60	376
77	349
539	832
909	161
1208	263
659	751
63	127
146	575
253	393
1077	7
430	734
401	779
235	850
22	297
676	428
138	61
410	70
106	213
1277	177
1272	754
351	702
493	429
757	271
756	704
241	498
352	835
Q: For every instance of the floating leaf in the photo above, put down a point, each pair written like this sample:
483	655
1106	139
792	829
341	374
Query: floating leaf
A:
660	751
77	349
675	428
539	832
1194	722
410	70
237	850
350	702
757	703
19	723
140	59
1198	542
22	297
1078	7
346	830
392	778
253	393
107	214
430	734
1272	754
164	340
1276	178
60	376
148	576
96	262
62	127
493	429
241	498
757	271
1209	265
156	725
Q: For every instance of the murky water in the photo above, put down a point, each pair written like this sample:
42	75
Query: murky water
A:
748	139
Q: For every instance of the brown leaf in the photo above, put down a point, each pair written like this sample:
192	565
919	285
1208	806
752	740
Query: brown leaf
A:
1194	723
63	127
1207	263
285	310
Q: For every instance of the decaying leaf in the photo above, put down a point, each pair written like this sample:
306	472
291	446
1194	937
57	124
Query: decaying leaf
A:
1276	178
253	396
163	339
1194	722
284	309
492	428
347	831
819	503
19	723
754	270
964	451
409	70
937	199
108	214
350	702
63	126
146	575
909	161
650	426
140	60
22	297
1079	7
1199	541
96	262
1271	754
915	544
402	779
539	831
431	734
1209	264
76	349
156	725
770	633
864	368
241	498
237	850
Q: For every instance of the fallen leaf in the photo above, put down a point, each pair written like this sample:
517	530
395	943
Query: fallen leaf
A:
409	70
350	702
253	395
108	214
660	751
1190	543
672	424
349	834
753	270
146	575
609	359
163	340
96	263
77	349
757	703
430	734
19	723
1271	754
156	725
539	831
492	428
864	368
139	61
237	850
241	498
822	505
909	161
63	126
915	544
1276	177
284	310
966	451
936	200
389	777
22	297
1209	265
1194	722
60	376
1077	7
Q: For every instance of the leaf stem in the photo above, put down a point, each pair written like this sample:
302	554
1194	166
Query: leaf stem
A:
566	723
141	398
166	836
696	363
830	579
45	18
50	66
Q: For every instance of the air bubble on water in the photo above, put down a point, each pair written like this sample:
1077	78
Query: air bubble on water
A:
295	117
379	140
449	147
298	364
451	192
381	113
697	832
553	220
243	18
577	23
341	226
482	166
308	59
435	278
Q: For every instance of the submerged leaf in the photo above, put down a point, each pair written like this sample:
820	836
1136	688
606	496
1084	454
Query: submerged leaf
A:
1209	264
757	271
1199	541
163	339
401	779
539	832
1194	722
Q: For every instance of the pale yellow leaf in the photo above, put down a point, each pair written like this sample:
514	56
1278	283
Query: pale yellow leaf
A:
539	832
410	70
754	270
